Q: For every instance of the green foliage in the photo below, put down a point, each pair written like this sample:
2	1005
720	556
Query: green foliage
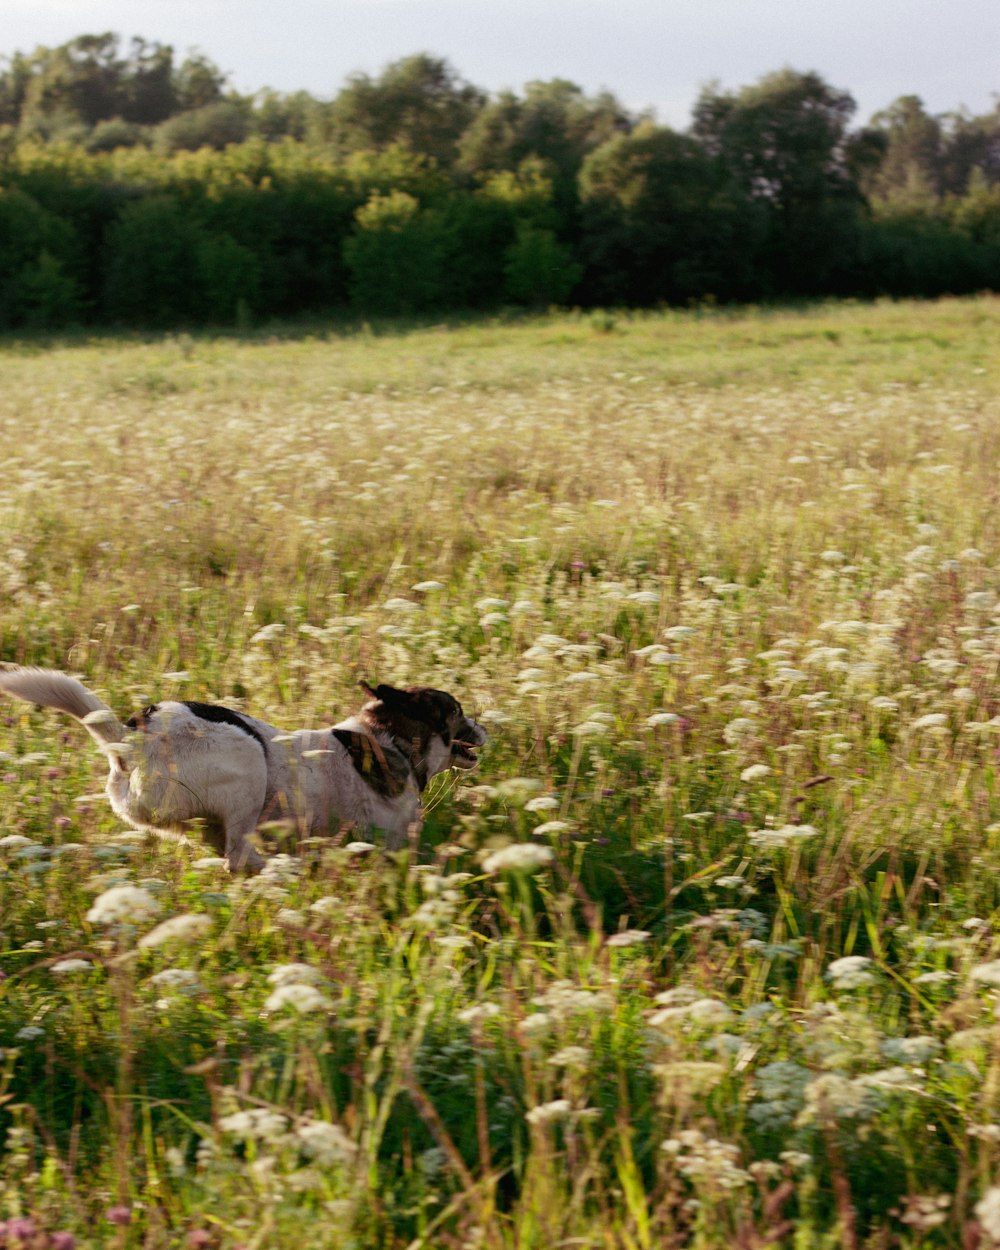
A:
163	268
528	197
214	125
538	269
418	103
397	255
39	254
663	221
114	133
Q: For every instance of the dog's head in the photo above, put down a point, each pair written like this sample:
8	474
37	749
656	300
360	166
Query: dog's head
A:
427	725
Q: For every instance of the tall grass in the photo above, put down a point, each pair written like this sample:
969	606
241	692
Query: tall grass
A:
722	586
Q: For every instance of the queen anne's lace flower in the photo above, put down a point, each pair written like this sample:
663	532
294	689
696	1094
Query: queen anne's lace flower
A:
518	857
186	928
302	998
123	904
326	1143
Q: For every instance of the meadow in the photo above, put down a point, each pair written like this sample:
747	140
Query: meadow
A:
705	952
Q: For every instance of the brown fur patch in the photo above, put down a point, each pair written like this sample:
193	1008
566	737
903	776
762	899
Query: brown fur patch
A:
385	770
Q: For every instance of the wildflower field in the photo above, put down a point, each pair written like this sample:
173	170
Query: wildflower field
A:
706	951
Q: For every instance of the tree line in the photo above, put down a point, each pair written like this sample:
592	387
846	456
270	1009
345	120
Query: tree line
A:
137	189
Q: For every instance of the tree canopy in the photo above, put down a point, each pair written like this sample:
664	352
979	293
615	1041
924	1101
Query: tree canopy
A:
137	185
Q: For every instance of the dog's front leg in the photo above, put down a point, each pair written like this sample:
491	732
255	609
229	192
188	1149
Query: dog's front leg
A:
241	855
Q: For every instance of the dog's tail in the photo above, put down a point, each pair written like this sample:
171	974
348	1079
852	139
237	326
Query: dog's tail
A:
48	688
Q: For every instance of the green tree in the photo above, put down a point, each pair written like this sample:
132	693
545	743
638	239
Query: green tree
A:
211	126
911	162
970	146
149	89
785	142
538	269
80	79
39	263
419	103
151	264
397	255
198	82
662	220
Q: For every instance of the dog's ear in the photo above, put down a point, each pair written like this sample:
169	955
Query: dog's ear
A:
367	689
389	695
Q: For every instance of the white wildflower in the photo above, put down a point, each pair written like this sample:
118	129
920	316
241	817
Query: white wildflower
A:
629	937
662	718
543	803
850	972
326	1143
988	1213
256	1124
303	998
786	835
295	974
536	1025
65	967
738	730
706	1012
546	1112
911	1050
425	587
518	857
123	904
328	905
281	868
174	978
185	928
269	633
925	1211
552	826
831	1095
570	1057
988	974
706	1159
755	772
360	848
479	1013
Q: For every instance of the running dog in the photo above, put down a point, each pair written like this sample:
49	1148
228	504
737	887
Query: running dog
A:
181	766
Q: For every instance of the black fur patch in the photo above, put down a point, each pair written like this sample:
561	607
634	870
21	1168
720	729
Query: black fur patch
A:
384	768
139	720
224	716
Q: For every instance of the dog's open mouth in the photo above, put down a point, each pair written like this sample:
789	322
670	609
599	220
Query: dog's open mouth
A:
463	754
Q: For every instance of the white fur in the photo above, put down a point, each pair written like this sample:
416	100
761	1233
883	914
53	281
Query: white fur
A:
177	771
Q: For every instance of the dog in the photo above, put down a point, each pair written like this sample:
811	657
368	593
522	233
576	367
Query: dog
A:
182	766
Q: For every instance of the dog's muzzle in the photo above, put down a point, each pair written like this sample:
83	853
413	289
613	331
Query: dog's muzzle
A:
463	746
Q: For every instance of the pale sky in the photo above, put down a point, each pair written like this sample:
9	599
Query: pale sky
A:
650	53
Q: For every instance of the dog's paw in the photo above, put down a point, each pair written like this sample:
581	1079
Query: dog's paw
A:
246	860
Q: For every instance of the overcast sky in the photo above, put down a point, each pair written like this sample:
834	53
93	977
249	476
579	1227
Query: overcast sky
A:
651	53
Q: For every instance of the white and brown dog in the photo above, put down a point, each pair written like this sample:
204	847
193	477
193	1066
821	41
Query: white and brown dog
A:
183	766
